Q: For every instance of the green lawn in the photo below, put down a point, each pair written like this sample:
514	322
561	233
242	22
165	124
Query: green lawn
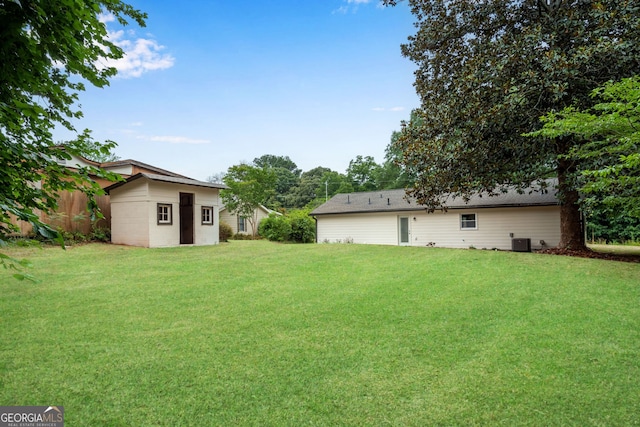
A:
616	249
257	333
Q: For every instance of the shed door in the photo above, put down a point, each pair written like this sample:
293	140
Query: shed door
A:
403	230
186	218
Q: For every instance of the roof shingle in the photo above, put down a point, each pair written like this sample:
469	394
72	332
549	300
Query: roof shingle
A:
164	178
397	200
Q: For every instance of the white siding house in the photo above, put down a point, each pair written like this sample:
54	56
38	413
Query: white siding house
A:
152	210
243	225
388	217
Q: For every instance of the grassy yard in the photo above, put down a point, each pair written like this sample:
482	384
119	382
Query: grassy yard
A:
616	249
256	333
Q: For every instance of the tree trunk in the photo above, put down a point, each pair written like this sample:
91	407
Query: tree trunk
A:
571	224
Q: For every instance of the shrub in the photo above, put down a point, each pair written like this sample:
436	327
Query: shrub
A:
100	234
244	236
303	227
297	226
75	237
225	231
275	228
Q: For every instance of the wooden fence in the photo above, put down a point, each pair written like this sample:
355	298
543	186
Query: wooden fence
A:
72	215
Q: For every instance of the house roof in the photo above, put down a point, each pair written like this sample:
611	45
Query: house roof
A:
263	207
142	165
397	200
126	162
164	178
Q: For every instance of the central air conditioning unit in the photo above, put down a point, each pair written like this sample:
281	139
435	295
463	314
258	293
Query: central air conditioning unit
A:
521	245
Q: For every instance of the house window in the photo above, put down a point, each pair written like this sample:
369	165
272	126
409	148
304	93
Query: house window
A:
242	224
468	222
164	214
207	215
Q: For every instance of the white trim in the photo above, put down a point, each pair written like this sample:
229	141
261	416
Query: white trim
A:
400	242
209	214
475	221
168	213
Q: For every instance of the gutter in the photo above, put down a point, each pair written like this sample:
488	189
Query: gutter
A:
418	208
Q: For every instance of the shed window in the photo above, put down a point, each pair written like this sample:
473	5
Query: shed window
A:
242	224
207	215
468	222
164	214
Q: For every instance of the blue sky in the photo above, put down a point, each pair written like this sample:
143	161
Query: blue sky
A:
210	84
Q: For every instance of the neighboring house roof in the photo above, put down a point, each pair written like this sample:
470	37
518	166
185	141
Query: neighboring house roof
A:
164	178
131	162
264	208
119	163
397	200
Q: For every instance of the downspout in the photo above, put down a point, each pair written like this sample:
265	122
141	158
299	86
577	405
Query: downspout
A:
316	221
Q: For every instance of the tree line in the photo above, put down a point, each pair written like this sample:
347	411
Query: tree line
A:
277	183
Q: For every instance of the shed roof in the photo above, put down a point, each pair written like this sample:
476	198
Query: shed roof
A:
164	178
397	200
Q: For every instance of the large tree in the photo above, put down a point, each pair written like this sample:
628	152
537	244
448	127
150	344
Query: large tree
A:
287	177
487	70
249	187
393	173
49	50
610	154
273	161
332	183
306	191
363	172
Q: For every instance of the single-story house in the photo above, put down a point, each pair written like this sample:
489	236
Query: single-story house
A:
153	210
241	224
388	217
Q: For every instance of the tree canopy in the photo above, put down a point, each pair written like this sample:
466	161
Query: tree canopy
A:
287	177
610	153
363	173
394	173
488	70
273	161
294	189
49	50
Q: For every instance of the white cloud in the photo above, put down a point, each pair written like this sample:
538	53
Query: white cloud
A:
388	109
175	139
106	17
140	54
133	131
341	10
350	6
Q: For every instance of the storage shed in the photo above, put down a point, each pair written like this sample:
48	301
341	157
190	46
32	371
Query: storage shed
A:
152	210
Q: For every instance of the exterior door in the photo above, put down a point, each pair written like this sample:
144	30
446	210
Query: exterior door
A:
403	230
186	218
